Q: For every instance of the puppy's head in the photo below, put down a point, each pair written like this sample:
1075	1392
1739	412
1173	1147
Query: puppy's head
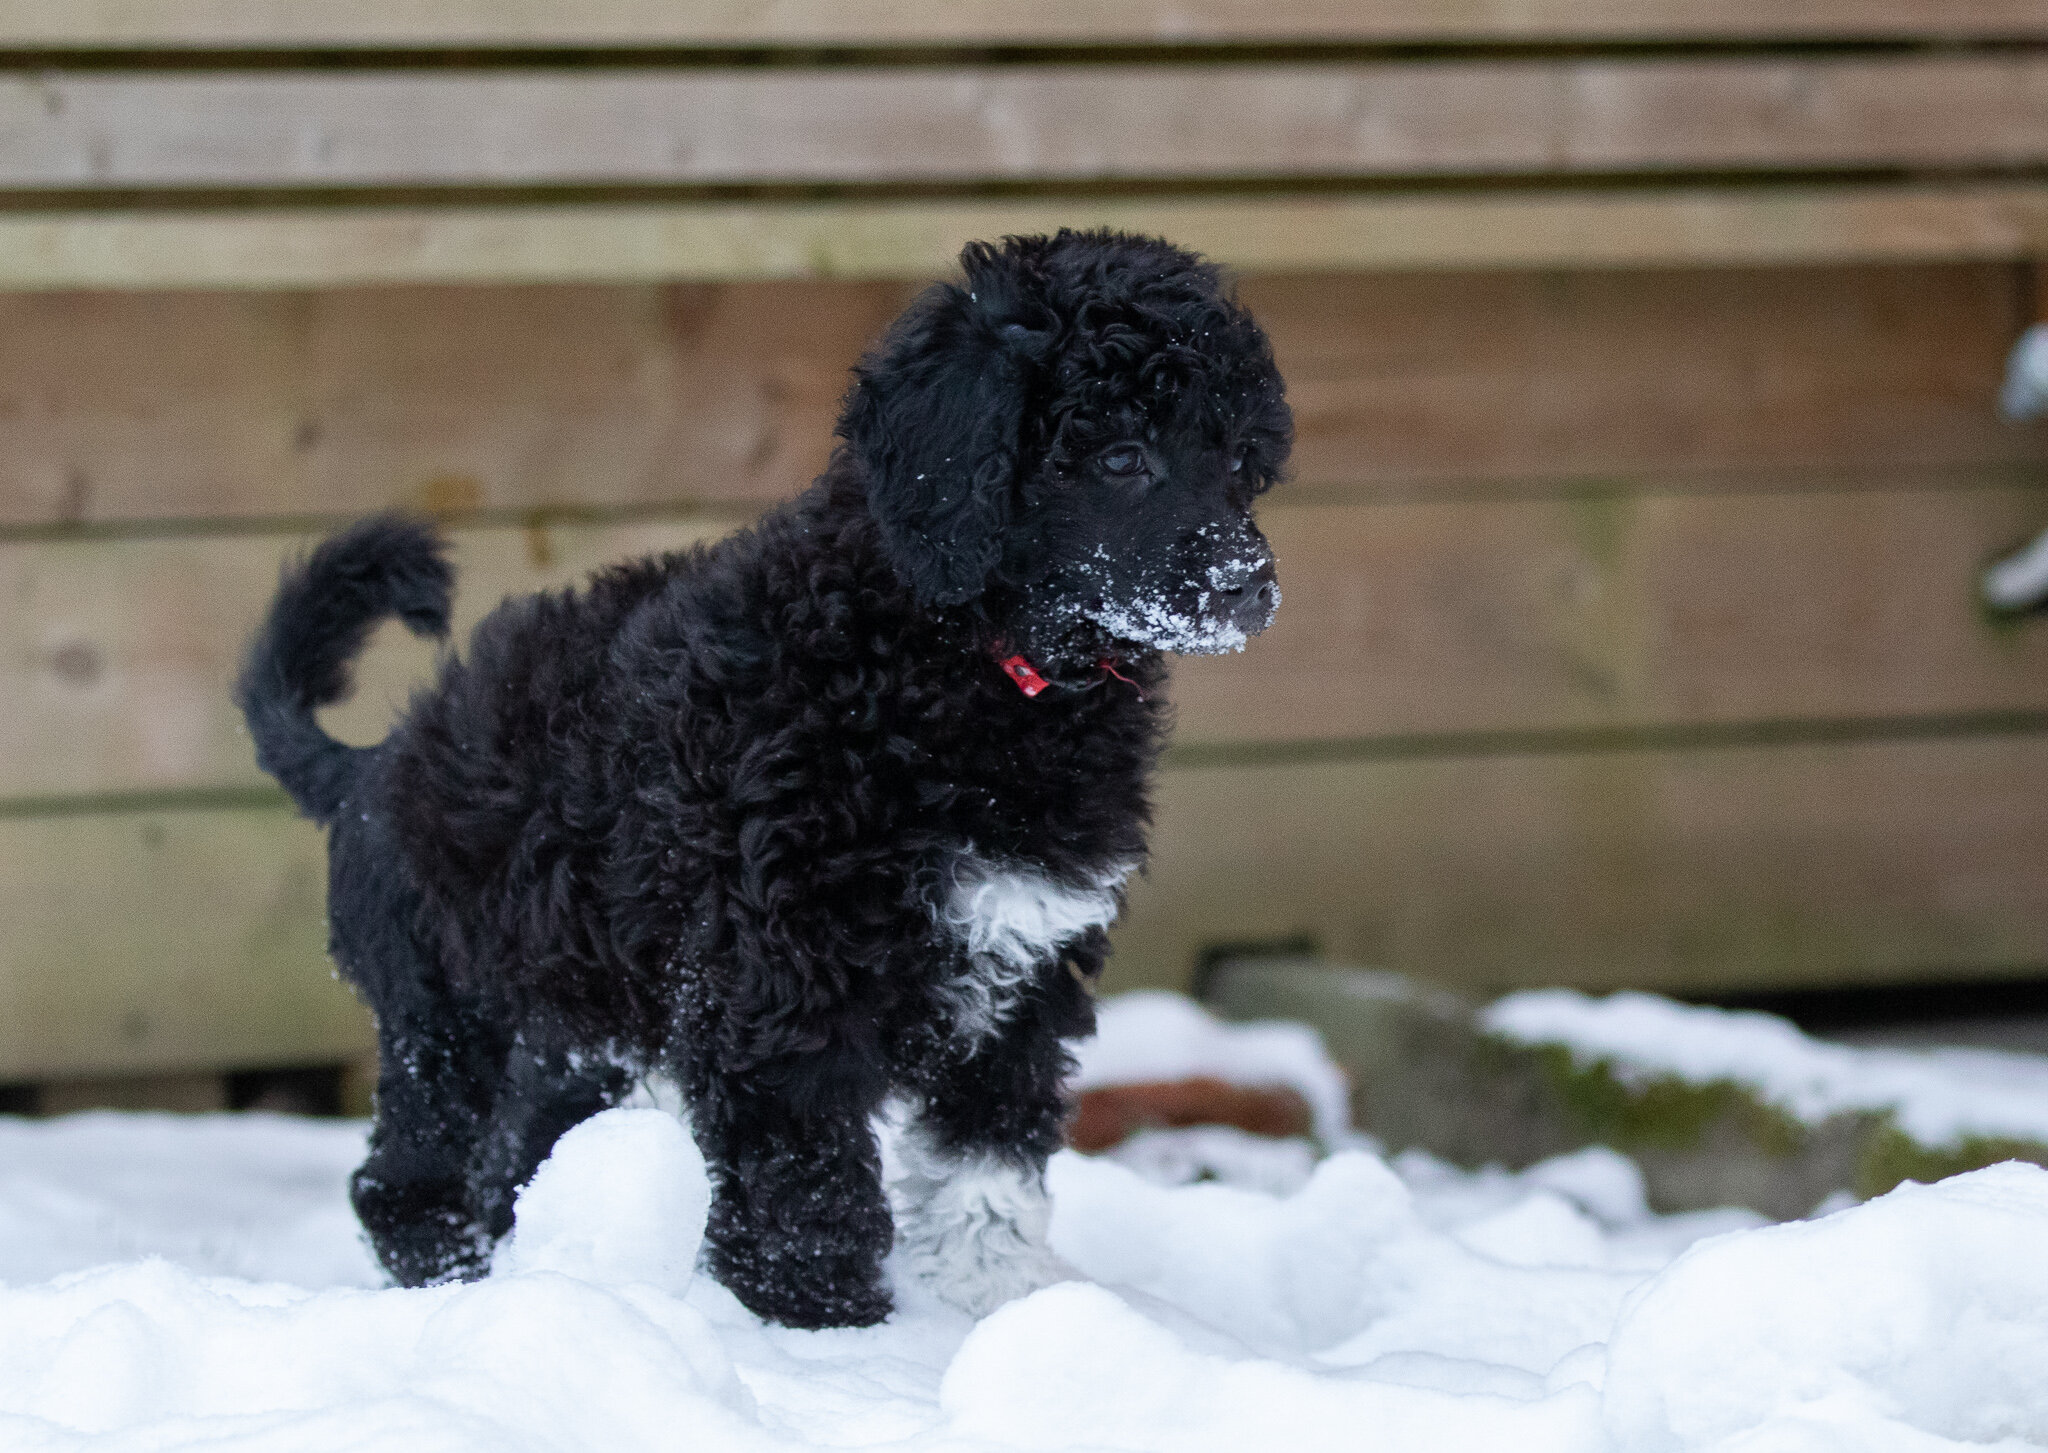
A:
1072	438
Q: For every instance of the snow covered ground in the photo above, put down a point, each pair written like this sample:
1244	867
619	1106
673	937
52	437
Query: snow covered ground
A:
1939	1096
196	1283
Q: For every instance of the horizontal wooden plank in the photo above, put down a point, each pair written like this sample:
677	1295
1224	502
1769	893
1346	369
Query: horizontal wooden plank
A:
1681	871
369	23
304	247
1416	382
1402	619
1030	123
1643	613
191	404
147	406
145	944
126	651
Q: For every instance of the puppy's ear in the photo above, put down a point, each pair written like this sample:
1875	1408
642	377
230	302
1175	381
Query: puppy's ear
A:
935	419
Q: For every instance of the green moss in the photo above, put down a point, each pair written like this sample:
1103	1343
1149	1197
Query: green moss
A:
1891	1156
1662	1113
1668	1114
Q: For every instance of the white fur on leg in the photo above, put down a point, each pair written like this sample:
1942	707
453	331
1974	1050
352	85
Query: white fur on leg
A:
973	1228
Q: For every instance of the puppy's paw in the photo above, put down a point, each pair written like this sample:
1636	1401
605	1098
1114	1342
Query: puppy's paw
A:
980	1289
975	1235
804	1287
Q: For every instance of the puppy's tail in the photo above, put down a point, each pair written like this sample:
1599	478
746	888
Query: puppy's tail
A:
326	607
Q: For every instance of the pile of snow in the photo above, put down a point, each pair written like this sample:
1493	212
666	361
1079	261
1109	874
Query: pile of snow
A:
644	1170
1150	1035
196	1284
1939	1097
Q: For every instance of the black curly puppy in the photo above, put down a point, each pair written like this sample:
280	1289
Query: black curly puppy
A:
830	813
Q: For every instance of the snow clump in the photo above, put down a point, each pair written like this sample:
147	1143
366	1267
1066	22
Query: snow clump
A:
621	1200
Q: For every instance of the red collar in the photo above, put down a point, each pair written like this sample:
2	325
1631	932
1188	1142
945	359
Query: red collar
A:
1031	682
1023	673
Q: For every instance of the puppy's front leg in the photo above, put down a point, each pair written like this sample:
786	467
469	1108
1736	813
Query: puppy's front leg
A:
974	1210
799	1224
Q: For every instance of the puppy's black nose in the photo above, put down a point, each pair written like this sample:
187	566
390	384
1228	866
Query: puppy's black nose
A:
1251	604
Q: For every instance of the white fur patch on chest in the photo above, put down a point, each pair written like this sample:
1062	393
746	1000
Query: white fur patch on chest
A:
1013	920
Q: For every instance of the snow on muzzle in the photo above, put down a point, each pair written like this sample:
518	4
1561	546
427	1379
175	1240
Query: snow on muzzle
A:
1209	611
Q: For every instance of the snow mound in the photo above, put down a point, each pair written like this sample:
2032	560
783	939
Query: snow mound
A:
1922	1312
151	1356
1151	1035
622	1200
1938	1097
260	1197
1158	1395
1409	1307
1191	1153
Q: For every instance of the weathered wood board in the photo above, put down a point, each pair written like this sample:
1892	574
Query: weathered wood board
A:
124	652
154	942
297	246
333	404
1683	871
1021	123
150	943
1631	612
174	405
1399	382
210	24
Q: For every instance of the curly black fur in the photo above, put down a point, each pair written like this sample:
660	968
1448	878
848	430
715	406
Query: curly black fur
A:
707	814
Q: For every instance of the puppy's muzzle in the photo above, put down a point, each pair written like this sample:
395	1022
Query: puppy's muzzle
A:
1250	604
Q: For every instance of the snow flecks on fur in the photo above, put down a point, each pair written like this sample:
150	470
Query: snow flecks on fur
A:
1158	623
1188	617
635	813
972	1229
1013	920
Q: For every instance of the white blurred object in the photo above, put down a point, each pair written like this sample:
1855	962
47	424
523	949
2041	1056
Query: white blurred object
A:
2025	395
2019	580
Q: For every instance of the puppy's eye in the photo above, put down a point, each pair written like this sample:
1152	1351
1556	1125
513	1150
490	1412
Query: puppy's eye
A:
1126	461
1237	461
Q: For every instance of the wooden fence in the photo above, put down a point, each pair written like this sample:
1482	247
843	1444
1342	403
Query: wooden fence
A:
1644	357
